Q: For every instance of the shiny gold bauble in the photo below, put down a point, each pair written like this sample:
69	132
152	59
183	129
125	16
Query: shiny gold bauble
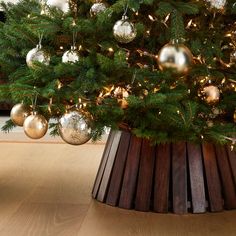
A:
176	57
124	31
74	128
97	8
35	126
121	94
211	94
19	113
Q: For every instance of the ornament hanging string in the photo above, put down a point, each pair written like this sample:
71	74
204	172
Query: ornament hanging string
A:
40	39
126	6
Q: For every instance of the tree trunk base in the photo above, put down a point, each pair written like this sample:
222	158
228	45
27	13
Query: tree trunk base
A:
179	177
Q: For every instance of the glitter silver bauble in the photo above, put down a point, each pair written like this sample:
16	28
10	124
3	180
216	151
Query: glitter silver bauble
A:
97	8
37	55
74	128
211	94
19	113
217	4
124	31
35	126
176	57
70	56
63	5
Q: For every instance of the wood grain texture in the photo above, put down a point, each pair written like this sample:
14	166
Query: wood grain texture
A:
103	164
128	189
118	170
109	166
229	192
212	176
145	178
179	177
196	178
162	178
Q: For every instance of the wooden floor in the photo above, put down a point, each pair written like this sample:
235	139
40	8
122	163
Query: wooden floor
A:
45	190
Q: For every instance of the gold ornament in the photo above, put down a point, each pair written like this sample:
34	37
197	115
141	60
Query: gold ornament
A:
37	55
19	113
211	94
121	94
63	5
233	57
176	57
74	129
97	8
71	56
235	116
218	5
35	126
124	31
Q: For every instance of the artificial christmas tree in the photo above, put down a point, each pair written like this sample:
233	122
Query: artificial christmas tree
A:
161	71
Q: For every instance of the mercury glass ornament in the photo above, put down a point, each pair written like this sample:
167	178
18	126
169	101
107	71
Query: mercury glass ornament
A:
19	113
124	31
74	128
37	55
35	126
217	4
63	5
233	57
211	94
176	57
97	8
70	56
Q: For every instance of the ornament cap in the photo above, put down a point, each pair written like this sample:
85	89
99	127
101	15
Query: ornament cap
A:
124	17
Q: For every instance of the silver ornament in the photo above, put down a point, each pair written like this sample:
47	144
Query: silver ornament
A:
217	4
176	57
19	113
35	126
124	31
37	55
97	8
63	5
74	129
70	56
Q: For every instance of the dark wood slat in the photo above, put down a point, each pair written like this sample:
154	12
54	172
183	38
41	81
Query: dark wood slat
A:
130	175
226	177
118	170
213	179
109	165
232	160
179	173
103	163
145	178
162	177
196	178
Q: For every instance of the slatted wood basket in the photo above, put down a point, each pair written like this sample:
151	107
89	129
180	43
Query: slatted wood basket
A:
179	177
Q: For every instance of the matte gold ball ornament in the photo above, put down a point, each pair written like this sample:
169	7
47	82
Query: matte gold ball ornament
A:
176	57
124	31
74	128
35	126
97	8
37	55
19	113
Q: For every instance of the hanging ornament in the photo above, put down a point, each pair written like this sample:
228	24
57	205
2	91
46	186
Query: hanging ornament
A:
233	57
35	126
74	128
124	31
176	57
121	94
97	8
210	94
63	5
71	56
19	113
37	55
217	4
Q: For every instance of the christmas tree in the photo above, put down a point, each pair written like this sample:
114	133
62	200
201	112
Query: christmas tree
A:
165	70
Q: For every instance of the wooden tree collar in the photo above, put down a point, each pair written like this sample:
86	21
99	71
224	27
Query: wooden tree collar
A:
179	177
